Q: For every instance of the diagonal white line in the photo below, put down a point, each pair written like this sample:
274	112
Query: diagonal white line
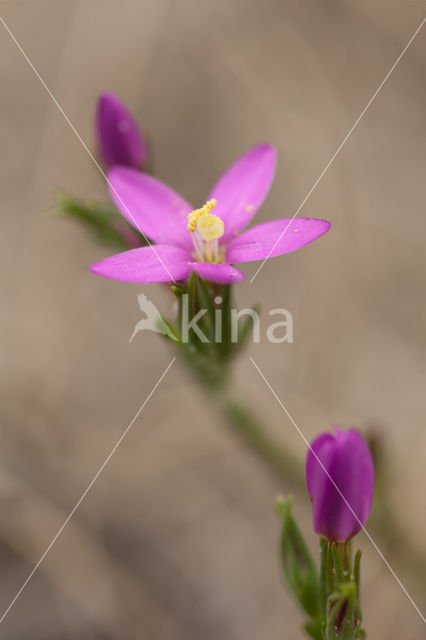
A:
86	491
340	493
345	139
80	139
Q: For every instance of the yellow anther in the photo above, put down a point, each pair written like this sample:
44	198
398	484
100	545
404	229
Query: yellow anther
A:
210	227
193	217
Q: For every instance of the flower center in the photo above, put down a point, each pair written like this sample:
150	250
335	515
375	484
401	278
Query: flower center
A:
206	229
210	227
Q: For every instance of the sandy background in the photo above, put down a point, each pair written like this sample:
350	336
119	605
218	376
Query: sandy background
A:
177	539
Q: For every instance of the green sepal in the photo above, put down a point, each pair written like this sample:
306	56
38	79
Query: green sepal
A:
338	572
206	301
298	567
343	615
207	359
227	346
357	571
326	574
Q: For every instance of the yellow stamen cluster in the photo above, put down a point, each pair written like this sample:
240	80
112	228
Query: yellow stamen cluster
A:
193	217
210	227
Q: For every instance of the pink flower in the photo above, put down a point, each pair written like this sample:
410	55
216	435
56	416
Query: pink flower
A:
119	138
200	241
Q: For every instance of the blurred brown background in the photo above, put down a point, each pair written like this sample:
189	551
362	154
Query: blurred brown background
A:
177	538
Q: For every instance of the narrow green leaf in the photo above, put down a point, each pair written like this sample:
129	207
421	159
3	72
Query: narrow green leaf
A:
105	223
313	629
298	566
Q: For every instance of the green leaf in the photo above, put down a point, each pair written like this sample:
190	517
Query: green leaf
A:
105	223
313	629
298	566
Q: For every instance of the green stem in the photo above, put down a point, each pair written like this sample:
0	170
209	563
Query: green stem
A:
265	446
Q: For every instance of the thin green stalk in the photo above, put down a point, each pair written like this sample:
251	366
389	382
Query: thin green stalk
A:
247	426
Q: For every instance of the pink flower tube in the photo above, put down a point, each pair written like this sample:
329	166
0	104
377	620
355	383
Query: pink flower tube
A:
119	138
344	461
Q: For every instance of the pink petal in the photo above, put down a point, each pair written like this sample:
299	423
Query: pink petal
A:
275	238
243	188
150	206
157	263
220	273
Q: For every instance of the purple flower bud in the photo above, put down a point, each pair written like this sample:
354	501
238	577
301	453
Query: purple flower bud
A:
348	462
119	139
